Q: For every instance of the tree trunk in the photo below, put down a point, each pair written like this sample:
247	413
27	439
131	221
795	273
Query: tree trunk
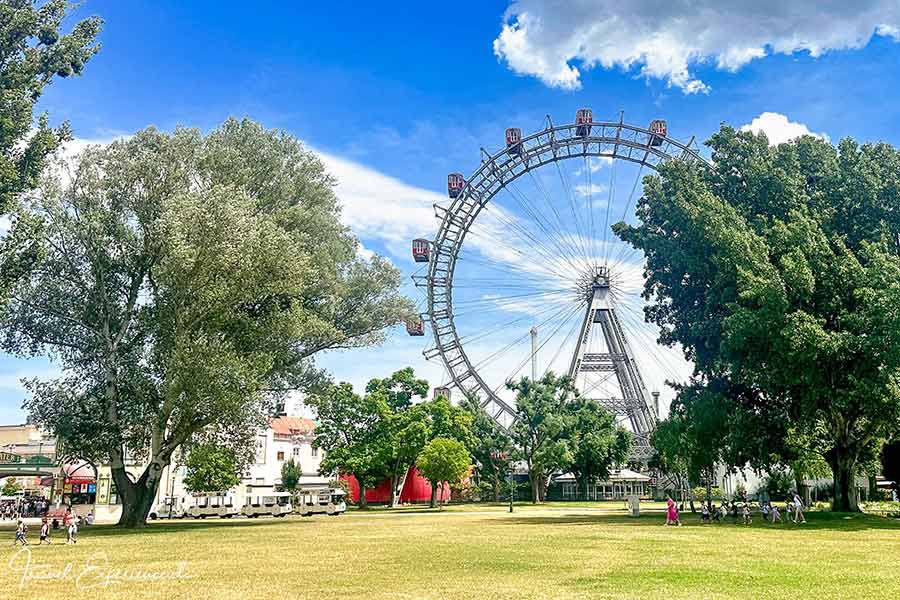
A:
362	495
137	497
433	495
393	490
496	487
535	488
843	470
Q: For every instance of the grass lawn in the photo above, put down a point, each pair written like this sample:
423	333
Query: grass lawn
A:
556	551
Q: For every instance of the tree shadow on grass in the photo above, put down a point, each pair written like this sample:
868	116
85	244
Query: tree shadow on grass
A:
814	521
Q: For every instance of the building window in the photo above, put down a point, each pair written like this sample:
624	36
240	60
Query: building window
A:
296	450
315	452
281	456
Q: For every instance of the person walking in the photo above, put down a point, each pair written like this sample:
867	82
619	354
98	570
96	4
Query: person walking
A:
45	531
747	517
71	526
798	509
21	531
672	512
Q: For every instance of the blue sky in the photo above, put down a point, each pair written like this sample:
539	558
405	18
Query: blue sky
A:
398	95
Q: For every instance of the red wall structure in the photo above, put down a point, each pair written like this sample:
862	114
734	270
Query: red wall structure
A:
415	489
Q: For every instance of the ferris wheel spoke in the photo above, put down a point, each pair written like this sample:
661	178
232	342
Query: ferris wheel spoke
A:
486	361
649	347
553	234
485	332
577	261
570	198
625	247
609	203
532	252
565	317
575	327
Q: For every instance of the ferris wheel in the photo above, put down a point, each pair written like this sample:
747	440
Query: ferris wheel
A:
524	249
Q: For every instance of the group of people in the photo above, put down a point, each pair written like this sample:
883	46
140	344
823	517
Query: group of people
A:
69	521
709	512
24	508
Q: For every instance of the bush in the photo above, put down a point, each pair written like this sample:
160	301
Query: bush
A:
778	485
716	493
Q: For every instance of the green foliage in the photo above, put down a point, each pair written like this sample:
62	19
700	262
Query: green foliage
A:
401	430
490	447
382	433
444	460
10	487
290	475
715	493
542	422
33	51
182	281
777	271
778	484
210	468
597	444
348	429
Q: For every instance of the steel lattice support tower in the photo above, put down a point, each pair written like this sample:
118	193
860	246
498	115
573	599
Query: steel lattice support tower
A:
634	402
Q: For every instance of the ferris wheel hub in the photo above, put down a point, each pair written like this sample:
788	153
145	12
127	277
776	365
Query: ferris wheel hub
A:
595	278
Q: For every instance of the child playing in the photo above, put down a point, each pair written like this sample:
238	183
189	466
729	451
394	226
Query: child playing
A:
746	510
704	513
45	531
776	516
71	527
21	530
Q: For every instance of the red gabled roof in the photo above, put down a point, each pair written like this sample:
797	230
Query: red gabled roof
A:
291	425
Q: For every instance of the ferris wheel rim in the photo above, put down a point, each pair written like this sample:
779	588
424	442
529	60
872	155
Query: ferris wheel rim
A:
475	195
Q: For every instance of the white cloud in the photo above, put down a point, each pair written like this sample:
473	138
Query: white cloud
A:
379	207
585	190
778	128
557	40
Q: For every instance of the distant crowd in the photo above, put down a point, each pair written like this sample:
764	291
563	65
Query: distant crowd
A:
24	508
740	511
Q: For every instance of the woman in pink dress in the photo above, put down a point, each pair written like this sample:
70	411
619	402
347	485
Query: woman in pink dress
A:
671	512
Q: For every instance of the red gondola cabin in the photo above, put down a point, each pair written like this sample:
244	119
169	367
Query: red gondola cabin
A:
455	183
420	250
415	327
658	130
583	119
514	140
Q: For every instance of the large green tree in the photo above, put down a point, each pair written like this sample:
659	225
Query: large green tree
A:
443	420
34	51
490	447
539	431
443	460
349	427
403	428
181	280
596	442
777	270
211	468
